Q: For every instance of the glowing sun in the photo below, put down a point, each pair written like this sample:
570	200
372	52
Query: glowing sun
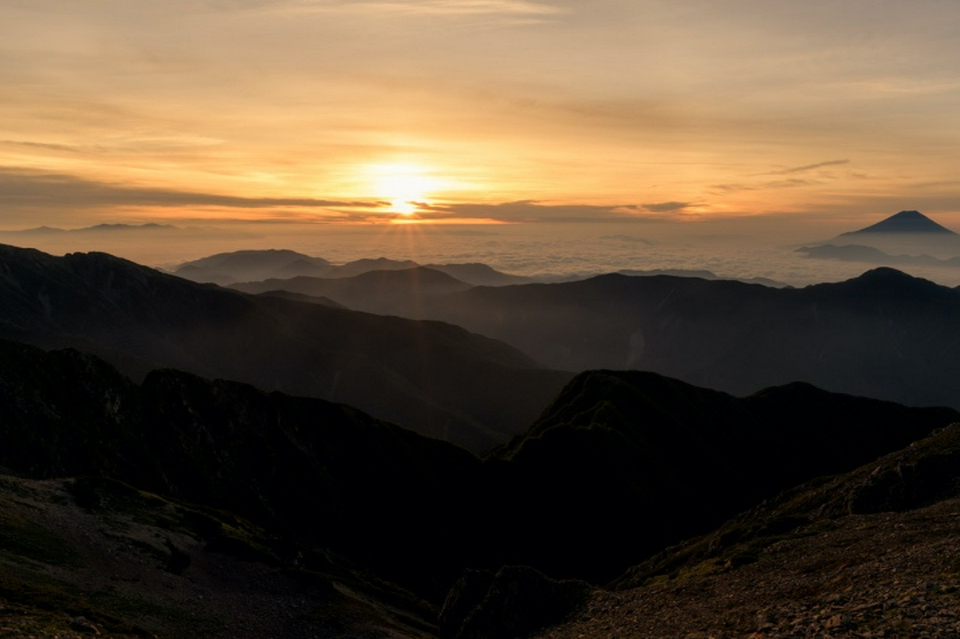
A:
405	186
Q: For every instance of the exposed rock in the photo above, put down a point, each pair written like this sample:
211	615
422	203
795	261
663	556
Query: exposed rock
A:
518	601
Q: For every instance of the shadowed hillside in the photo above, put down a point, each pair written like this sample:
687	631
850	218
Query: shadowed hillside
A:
871	553
436	378
625	463
398	292
884	334
619	466
258	265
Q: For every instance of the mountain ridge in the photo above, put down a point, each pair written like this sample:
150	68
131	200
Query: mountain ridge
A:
433	376
910	222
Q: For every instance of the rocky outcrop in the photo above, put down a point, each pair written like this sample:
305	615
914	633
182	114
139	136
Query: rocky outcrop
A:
511	604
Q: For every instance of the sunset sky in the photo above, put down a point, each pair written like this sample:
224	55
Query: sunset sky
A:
477	110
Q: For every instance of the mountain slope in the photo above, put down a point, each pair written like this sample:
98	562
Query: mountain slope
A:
299	467
620	465
904	222
870	552
434	377
625	463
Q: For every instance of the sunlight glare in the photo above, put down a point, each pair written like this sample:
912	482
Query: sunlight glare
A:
403	185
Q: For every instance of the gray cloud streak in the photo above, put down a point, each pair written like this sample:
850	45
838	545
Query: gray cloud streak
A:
533	211
30	189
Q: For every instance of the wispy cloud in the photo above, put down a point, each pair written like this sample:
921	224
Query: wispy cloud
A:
22	188
429	7
808	167
531	211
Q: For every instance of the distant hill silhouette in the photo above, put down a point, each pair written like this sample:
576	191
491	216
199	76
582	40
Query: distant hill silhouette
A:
871	255
436	378
908	222
250	265
884	334
258	265
99	228
394	292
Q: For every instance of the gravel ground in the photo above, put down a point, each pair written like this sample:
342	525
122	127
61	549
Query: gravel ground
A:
883	575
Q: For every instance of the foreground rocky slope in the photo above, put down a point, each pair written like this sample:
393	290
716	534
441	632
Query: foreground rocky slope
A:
872	553
80	559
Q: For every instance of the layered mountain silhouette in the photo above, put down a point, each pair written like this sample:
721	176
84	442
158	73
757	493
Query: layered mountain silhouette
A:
908	238
401	292
243	266
871	255
907	234
884	334
259	265
436	378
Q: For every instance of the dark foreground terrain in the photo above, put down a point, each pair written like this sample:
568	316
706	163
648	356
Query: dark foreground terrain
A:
185	507
872	553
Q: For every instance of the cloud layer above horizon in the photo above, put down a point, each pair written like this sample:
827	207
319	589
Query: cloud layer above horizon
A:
500	110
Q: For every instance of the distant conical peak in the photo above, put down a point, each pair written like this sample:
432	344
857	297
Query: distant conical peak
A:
905	222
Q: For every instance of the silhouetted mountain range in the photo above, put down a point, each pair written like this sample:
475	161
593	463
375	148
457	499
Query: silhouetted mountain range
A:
871	255
884	334
98	228
243	266
436	378
396	292
258	265
377	522
908	238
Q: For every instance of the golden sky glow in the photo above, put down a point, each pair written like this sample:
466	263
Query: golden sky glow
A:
471	110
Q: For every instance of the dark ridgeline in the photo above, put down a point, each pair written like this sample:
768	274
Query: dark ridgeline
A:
884	334
402	292
435	378
626	463
259	265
